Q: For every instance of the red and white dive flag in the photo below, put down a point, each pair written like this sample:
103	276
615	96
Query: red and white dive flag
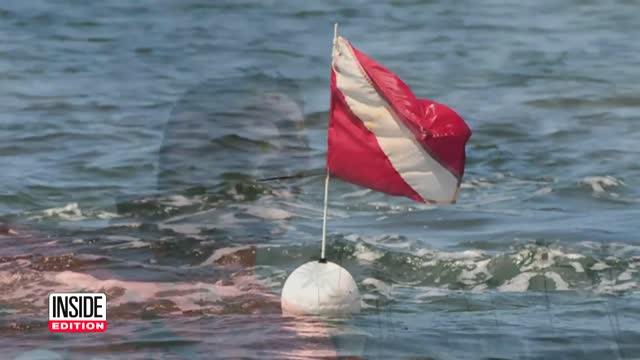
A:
384	138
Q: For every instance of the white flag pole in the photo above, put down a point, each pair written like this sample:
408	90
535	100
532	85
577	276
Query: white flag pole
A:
323	258
324	219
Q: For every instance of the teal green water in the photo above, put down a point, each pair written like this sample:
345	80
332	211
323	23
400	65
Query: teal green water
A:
132	135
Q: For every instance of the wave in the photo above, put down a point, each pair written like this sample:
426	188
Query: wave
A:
599	184
610	268
72	212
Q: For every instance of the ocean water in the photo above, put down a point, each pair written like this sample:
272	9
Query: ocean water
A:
133	133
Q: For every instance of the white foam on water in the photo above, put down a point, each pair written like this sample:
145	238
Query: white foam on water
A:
388	207
391	241
577	266
446	255
380	205
125	242
461	255
626	276
543	258
474	272
572	256
70	212
191	229
599	266
264	212
477	183
609	287
474	268
558	280
282	194
379	286
429	263
73	212
136	244
105	215
179	201
600	183
352	237
356	194
366	255
427	292
220	253
121	238
132	225
544	191
519	283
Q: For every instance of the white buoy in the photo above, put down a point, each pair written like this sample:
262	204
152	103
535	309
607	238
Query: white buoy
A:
320	288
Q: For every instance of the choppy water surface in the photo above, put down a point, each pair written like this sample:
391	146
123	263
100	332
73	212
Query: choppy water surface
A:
132	135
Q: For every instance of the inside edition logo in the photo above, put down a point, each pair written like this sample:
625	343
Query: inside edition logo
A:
77	312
